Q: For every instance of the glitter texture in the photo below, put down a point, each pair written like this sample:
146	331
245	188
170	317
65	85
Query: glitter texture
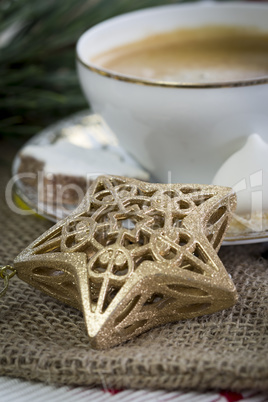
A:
135	255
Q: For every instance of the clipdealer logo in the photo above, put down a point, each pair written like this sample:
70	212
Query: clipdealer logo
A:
49	196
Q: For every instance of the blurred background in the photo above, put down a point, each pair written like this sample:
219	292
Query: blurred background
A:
38	80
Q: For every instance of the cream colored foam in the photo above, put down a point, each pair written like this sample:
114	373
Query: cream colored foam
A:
207	54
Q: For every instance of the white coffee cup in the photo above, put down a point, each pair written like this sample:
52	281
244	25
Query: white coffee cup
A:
188	130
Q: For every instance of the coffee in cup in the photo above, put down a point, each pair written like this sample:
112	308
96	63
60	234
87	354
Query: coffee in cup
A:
202	54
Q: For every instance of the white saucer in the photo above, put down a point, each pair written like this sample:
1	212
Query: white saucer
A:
86	131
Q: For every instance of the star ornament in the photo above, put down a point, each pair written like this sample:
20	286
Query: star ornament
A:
135	255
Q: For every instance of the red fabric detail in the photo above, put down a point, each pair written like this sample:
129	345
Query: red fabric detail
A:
232	396
112	391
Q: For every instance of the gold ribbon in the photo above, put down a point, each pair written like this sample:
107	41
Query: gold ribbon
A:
6	273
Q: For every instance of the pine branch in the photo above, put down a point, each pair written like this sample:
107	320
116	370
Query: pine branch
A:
38	80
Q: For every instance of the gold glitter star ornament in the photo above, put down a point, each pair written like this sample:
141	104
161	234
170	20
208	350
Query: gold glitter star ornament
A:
135	255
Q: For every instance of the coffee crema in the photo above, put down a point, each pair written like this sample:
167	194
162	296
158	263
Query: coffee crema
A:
198	55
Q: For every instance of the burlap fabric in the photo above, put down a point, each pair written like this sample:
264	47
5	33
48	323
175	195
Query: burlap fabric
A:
42	339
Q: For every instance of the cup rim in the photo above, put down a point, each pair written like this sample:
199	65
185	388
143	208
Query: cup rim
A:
170	84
